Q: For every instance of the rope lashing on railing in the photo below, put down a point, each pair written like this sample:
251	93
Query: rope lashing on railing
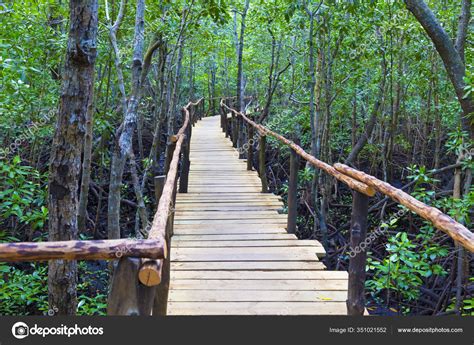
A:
367	184
150	270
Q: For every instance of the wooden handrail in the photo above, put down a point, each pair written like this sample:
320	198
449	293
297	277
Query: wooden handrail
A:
150	270
82	250
352	183
367	184
440	220
364	185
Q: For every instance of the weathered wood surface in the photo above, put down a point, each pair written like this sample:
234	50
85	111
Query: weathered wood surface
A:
150	270
82	250
441	221
231	253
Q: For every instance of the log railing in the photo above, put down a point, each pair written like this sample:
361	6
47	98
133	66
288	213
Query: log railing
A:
364	186
143	263
152	285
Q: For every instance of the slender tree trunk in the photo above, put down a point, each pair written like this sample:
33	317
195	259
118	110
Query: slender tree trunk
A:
240	50
125	133
373	117
74	110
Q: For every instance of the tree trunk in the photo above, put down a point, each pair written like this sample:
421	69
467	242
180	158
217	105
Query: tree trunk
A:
452	58
74	109
125	133
240	49
373	117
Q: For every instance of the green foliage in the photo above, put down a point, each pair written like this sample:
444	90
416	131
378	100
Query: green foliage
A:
30	57
91	300
23	291
405	267
460	144
23	196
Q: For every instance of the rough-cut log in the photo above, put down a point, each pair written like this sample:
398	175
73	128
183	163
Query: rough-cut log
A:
82	250
351	182
358	256
262	171
250	147
127	296
293	192
443	222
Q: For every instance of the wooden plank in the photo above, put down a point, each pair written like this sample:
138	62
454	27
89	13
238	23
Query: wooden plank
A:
248	265
255	296
257	308
226	201
230	196
223	189
245	250
260	275
275	220
270	284
256	256
234	237
227	215
253	243
221	208
229	225
267	213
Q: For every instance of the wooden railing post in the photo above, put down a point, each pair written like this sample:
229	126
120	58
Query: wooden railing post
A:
355	297
171	145
226	125
161	295
160	305
250	146
293	192
159	184
127	296
261	163
234	130
240	136
184	178
222	112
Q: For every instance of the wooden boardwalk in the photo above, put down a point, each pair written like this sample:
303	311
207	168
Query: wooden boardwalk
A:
231	254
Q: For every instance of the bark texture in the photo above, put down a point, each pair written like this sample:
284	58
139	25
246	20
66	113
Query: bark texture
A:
65	166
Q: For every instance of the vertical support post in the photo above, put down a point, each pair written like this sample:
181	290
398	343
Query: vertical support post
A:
127	296
250	147
226	125
234	130
240	136
358	256
293	192
159	184
261	163
160	305
222	112
184	177
171	145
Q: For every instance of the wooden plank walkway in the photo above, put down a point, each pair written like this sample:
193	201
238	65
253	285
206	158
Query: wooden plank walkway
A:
231	254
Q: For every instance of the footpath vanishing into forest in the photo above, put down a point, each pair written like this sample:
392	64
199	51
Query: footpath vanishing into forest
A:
218	243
